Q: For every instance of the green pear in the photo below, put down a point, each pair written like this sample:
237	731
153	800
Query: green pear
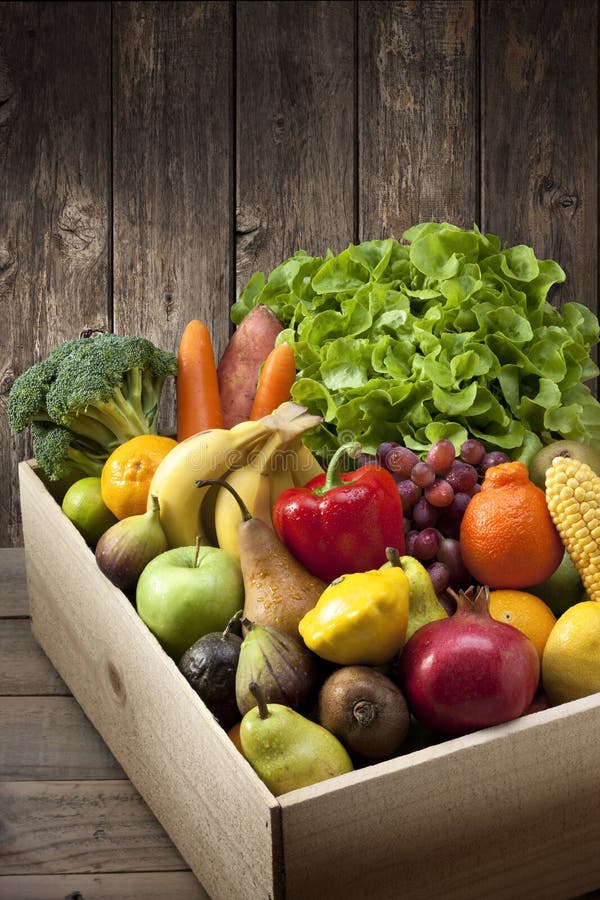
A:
424	605
287	750
562	589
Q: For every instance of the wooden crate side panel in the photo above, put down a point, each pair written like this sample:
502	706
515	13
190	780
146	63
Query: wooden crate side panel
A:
508	812
418	115
539	64
295	129
218	813
54	164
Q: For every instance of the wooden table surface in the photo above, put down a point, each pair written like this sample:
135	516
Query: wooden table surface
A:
71	824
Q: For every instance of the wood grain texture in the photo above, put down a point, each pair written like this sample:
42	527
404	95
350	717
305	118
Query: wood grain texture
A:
418	115
91	826
121	885
13	590
49	738
295	131
172	172
54	166
24	667
539	64
470	818
216	810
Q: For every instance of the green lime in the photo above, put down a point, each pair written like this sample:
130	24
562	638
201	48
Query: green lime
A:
84	506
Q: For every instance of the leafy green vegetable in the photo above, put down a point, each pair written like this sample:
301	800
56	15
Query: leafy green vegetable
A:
445	334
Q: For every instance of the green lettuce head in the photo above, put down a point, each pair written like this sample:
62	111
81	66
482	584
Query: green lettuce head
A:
447	334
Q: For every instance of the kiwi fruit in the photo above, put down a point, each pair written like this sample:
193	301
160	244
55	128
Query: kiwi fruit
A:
365	710
210	667
542	460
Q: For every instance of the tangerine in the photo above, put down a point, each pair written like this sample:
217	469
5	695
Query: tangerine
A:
526	612
507	536
127	473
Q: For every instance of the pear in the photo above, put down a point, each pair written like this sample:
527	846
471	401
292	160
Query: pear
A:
424	605
288	751
277	588
286	670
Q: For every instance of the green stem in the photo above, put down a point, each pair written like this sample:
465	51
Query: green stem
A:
333	478
196	552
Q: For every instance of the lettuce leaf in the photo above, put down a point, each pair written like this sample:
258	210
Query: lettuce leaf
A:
445	334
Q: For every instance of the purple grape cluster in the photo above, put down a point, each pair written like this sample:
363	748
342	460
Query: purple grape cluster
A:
435	493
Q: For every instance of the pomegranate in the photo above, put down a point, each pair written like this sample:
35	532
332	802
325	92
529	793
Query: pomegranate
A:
468	671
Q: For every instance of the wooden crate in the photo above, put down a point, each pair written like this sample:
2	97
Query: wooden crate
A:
512	811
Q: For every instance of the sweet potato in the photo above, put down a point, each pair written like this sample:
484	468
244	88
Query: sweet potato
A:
239	366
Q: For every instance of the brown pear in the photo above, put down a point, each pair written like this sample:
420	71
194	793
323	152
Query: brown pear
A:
277	588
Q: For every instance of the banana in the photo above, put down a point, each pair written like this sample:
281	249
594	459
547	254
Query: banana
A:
252	482
208	454
281	475
307	466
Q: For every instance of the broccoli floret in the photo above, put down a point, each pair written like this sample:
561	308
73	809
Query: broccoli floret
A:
60	456
102	390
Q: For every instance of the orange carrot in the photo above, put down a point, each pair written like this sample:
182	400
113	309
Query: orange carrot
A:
275	381
197	389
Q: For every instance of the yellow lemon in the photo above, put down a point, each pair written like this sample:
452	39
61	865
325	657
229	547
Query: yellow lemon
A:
571	661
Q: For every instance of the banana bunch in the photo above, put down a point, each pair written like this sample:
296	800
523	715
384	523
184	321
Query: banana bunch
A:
259	458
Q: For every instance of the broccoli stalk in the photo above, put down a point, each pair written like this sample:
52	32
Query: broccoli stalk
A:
100	392
58	454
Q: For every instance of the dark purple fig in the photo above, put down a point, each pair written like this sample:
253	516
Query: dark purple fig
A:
286	670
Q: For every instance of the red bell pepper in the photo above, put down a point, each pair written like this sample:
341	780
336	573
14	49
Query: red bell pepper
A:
338	523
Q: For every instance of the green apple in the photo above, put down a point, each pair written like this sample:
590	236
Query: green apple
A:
187	592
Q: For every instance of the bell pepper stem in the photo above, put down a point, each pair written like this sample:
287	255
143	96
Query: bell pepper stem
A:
333	477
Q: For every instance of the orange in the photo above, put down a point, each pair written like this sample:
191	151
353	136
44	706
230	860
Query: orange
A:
507	537
526	612
128	471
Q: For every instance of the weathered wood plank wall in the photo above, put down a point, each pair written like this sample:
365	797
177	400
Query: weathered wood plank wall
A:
154	155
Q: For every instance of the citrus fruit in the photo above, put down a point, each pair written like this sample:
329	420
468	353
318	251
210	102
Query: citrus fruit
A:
507	536
128	471
526	612
84	506
571	661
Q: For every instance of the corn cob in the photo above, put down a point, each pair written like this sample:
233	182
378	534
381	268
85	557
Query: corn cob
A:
573	498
